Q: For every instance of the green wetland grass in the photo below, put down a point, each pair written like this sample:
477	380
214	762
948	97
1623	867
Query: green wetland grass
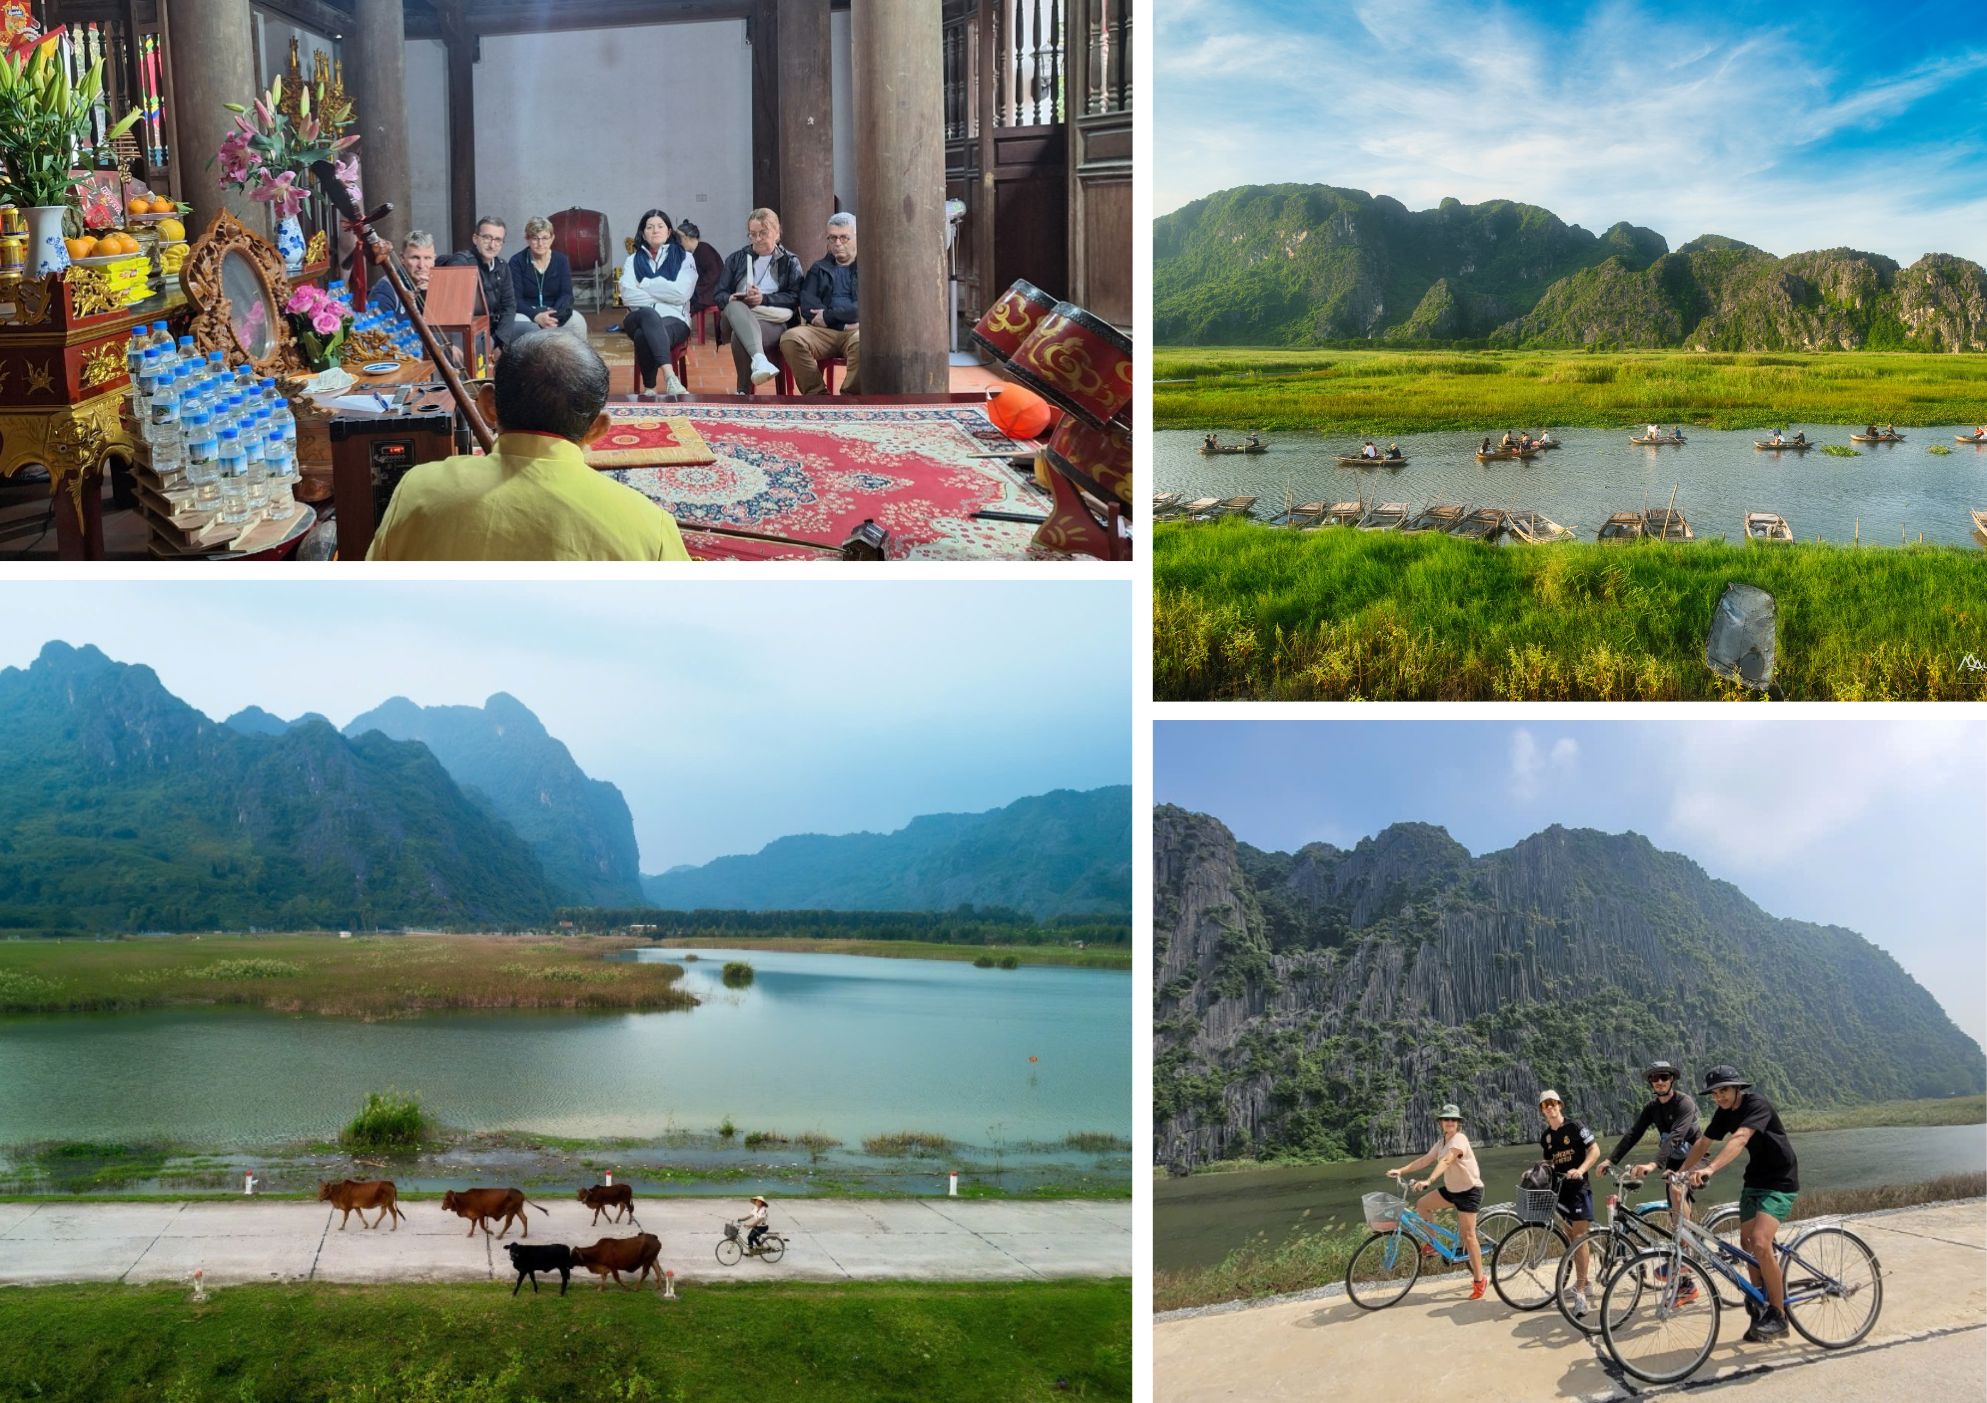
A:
1398	392
1248	612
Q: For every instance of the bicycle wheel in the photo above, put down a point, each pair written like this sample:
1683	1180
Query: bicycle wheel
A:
1492	1228
1526	1264
729	1251
1607	1249
772	1247
1659	1341
1383	1268
1724	1226
1834	1286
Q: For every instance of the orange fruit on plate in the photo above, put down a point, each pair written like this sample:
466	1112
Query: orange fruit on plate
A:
161	205
138	204
81	248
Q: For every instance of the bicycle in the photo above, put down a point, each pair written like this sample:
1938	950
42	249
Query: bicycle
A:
1660	1339
1389	1261
1721	1220
731	1248
1626	1231
1525	1264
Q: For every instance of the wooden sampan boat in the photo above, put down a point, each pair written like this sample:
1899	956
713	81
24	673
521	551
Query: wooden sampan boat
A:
1767	526
1384	516
1622	526
1980	523
1079	361
1438	516
1659	442
1004	326
1880	438
1506	455
1666	524
1353	460
1343	514
1967	438
1535	527
1483	524
1221	448
1789	446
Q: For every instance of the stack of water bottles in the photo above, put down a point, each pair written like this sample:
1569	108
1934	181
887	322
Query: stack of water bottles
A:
226	435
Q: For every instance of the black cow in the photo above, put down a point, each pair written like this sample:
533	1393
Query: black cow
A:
530	1261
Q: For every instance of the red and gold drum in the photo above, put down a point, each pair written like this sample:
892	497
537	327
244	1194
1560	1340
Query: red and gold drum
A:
581	234
1006	324
1080	362
1098	460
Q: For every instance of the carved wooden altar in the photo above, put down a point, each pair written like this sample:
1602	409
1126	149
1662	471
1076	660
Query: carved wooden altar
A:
228	242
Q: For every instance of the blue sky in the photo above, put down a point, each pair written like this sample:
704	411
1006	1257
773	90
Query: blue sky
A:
729	714
1790	126
1879	826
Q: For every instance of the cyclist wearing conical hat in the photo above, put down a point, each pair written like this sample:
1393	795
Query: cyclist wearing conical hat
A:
1772	1183
1462	1185
1570	1148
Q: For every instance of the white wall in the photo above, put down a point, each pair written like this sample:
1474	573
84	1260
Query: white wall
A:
427	141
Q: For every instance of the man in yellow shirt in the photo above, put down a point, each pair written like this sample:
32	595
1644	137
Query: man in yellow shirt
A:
534	497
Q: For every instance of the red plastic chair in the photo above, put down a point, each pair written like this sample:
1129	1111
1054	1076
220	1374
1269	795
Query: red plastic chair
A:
787	385
708	319
679	362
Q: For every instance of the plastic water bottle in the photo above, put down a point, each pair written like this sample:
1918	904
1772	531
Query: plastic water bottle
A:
255	471
141	389
278	407
203	450
134	353
163	431
234	480
279	459
244	376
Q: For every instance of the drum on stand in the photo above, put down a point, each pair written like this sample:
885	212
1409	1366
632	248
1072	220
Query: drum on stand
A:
1080	362
581	234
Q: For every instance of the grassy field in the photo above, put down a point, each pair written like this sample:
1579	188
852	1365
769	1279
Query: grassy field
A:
1937	1110
1398	392
864	1343
369	977
1320	1258
1243	611
1093	957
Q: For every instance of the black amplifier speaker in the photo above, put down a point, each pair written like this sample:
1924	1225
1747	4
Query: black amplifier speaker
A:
368	459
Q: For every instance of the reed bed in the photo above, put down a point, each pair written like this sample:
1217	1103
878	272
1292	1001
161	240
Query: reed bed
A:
1244	612
1398	392
371	977
1066	956
908	1144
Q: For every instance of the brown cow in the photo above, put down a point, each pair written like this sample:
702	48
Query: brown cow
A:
615	1196
481	1205
362	1194
613	1255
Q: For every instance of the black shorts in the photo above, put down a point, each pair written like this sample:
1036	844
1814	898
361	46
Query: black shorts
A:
1576	1200
1468	1201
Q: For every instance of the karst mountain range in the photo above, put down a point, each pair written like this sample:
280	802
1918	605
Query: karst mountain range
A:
1307	265
123	809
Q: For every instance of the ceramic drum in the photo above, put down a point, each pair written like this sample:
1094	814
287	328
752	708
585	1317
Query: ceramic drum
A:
1005	325
1098	460
1078	361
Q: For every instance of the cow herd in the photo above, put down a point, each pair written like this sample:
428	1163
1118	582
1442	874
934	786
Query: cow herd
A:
610	1256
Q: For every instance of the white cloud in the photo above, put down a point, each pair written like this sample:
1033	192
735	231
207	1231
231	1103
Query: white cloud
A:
1535	768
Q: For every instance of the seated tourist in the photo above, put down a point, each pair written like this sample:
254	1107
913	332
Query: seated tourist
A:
757	295
1486	444
828	307
417	261
1369	450
710	266
533	497
657	283
1394	450
542	279
1776	436
499	297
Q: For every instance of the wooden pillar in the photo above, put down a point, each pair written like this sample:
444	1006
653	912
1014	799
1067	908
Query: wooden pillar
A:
461	44
765	35
376	76
213	62
807	127
900	167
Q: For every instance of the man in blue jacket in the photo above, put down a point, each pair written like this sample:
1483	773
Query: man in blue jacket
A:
829	325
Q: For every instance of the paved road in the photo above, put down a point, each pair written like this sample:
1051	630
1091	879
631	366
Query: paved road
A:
828	1240
1930	1341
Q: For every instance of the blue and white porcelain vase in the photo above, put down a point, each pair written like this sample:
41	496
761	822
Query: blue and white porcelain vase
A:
46	250
290	242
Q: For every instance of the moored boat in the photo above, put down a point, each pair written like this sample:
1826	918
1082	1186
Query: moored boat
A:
1980	525
1535	527
1767	526
1344	514
1622	526
1228	506
1165	504
1199	507
1307	514
1483	524
1666	524
1384	516
1437	516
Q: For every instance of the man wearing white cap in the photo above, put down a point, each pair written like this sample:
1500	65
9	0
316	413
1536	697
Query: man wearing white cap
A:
1570	1148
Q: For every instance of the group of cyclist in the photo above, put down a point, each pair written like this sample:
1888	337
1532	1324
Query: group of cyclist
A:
1744	1120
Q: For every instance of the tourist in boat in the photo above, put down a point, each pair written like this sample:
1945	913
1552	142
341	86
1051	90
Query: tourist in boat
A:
1370	450
1462	1185
1394	451
1209	443
1504	444
1981	432
1869	431
1255	440
1775	438
1486	444
1655	431
1890	431
1800	436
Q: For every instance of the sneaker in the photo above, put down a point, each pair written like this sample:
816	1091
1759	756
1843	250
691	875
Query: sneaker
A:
1579	1303
671	385
1426	1250
1686	1293
646	392
1476	1288
1770	1326
763	370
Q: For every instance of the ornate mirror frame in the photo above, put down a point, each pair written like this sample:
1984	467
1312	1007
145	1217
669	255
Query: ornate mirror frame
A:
213	320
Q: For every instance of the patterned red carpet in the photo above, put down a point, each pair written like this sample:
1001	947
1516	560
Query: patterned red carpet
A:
815	472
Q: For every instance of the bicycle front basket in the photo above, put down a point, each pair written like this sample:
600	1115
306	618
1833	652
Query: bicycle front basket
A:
731	1232
1536	1205
1382	1211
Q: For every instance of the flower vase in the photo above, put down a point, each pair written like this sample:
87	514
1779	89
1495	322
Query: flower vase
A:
46	250
290	242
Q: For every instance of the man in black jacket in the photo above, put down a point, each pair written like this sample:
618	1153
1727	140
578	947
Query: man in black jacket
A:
829	325
757	295
498	294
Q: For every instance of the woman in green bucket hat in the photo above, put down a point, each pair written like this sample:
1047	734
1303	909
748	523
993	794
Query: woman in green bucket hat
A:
1462	1185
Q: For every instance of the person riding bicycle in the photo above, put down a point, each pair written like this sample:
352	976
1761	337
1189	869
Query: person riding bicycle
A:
1673	1114
1772	1183
1570	1148
756	1221
1462	1186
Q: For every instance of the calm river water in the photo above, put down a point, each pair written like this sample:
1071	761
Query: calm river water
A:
846	1045
1718	477
1197	1221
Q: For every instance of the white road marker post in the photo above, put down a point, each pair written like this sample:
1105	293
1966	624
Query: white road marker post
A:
610	1178
199	1284
248	1182
669	1286
952	1191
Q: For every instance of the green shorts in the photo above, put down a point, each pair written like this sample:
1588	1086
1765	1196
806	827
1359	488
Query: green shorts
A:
1773	1203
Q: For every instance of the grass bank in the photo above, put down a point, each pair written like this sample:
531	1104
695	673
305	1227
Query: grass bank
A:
367	977
1320	1258
1244	611
1938	1110
859	1343
1398	392
1107	957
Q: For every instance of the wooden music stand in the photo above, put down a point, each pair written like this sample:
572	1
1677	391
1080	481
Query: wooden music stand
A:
455	304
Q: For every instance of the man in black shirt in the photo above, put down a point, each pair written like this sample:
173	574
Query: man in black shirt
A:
499	296
1772	1182
1673	1115
1570	1148
829	320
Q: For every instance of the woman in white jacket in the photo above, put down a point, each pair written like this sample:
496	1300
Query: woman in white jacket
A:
656	285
